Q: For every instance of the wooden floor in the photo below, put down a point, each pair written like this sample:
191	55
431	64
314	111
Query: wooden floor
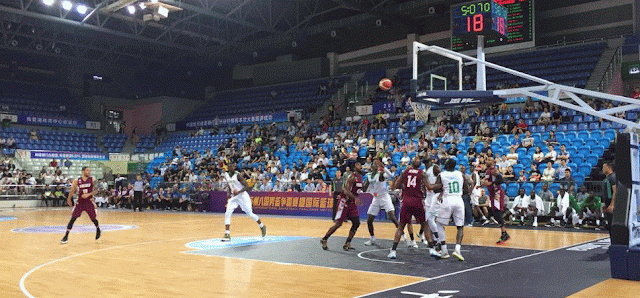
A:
148	261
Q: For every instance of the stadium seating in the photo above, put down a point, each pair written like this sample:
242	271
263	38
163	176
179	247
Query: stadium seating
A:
253	101
114	143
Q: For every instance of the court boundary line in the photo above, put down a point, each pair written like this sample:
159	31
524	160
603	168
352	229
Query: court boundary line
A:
34	269
483	266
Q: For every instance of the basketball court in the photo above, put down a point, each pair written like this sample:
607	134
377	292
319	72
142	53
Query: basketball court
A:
180	255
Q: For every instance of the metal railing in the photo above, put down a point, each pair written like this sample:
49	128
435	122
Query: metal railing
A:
612	69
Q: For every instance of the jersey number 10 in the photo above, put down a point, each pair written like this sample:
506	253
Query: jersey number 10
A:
454	187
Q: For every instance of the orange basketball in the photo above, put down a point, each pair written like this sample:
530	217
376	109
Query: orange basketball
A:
385	84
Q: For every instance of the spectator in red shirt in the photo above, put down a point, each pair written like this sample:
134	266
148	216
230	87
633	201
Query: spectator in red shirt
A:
522	127
53	163
635	93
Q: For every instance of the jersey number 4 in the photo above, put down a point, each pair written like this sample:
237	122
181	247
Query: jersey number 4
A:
412	181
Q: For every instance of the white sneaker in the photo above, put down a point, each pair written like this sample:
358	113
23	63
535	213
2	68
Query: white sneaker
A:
458	256
470	225
369	242
493	220
535	224
444	255
486	222
392	254
414	244
433	252
409	244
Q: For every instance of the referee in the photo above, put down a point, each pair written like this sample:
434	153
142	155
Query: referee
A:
138	187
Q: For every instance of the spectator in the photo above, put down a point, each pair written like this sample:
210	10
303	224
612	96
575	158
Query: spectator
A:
567	181
562	169
310	187
404	161
534	173
556	117
563	154
512	125
546	194
481	209
509	174
545	117
522	126
636	93
515	143
551	155
527	141
512	157
11	143
453	151
67	163
472	152
33	135
551	140
53	163
522	177
549	173
538	156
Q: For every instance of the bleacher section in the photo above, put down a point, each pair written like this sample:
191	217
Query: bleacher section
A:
37	101
53	140
145	142
34	166
188	142
253	101
114	143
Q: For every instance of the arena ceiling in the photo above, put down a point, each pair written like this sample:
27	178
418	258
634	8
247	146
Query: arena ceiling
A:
211	30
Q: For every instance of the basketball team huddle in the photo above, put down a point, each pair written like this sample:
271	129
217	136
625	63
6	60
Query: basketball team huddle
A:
433	197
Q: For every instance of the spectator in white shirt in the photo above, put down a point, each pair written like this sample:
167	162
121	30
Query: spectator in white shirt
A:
310	187
545	117
551	155
405	159
266	185
549	173
512	157
559	209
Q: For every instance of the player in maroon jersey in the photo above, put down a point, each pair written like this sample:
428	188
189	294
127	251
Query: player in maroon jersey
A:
86	190
413	182
348	207
493	181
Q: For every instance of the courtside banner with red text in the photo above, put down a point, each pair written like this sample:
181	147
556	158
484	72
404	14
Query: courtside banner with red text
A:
289	203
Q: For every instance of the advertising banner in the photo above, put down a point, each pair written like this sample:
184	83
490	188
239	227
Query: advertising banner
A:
288	203
70	155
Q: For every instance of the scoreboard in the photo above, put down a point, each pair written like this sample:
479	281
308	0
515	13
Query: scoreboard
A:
502	22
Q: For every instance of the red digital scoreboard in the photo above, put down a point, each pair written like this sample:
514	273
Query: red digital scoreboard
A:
501	22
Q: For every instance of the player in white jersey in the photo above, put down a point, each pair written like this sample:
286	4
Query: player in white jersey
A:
238	196
453	185
431	204
377	185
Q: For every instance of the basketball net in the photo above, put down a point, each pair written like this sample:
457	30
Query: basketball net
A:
421	110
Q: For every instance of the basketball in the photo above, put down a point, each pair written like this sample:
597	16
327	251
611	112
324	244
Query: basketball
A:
385	84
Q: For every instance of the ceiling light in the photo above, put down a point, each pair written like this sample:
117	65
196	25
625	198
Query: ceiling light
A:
67	5
82	9
142	6
131	9
48	2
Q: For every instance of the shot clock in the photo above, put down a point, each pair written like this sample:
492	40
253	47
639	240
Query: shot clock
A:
501	22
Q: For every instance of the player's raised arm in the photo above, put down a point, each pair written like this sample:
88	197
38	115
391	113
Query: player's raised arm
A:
72	191
365	184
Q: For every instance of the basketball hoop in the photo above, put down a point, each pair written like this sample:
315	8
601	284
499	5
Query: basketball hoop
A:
421	110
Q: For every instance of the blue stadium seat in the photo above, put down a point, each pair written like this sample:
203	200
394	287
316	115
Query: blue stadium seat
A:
512	190
592	159
598	150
